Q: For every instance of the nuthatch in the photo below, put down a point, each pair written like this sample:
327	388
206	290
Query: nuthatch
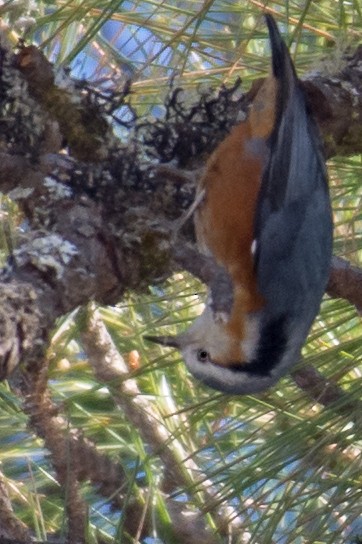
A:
265	216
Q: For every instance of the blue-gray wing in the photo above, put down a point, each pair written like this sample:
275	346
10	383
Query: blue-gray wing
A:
293	227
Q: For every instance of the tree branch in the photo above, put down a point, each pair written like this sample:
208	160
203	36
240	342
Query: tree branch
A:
346	282
327	393
335	98
45	420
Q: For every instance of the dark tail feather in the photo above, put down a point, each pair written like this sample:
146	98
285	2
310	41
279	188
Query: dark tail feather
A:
295	162
283	69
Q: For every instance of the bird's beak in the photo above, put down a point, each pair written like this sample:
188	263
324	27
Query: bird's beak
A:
170	341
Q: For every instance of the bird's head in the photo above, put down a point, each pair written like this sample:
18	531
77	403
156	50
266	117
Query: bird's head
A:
216	357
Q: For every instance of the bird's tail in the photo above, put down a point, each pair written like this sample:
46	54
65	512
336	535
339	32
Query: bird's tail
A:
282	65
295	161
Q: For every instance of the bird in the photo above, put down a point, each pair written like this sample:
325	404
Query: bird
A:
264	214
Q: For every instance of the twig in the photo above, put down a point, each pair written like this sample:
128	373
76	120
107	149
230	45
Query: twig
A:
10	526
327	393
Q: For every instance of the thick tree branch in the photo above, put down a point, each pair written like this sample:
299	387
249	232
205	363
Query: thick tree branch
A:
336	102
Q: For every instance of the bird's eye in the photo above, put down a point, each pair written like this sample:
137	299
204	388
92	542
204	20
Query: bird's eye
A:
202	356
